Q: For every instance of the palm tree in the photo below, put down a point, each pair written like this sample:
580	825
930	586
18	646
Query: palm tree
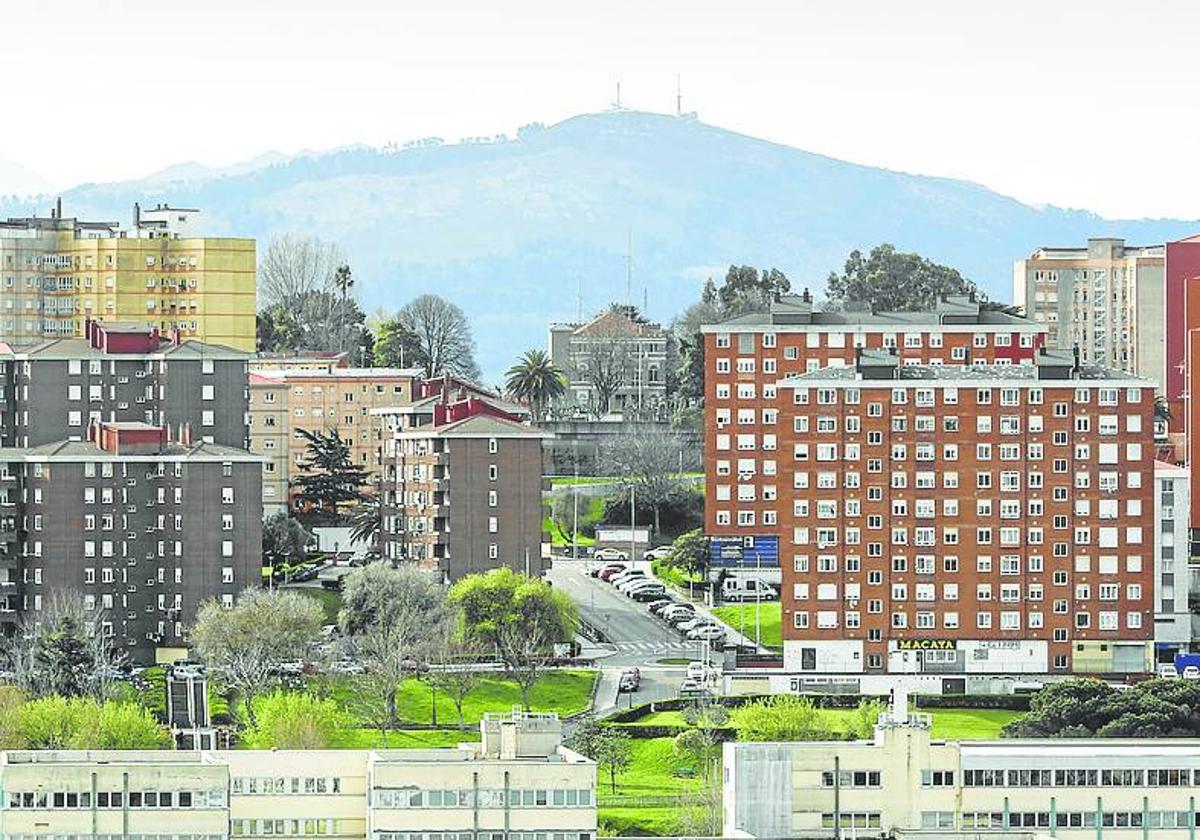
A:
536	380
365	520
343	280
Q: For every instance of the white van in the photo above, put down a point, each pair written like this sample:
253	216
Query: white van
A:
747	589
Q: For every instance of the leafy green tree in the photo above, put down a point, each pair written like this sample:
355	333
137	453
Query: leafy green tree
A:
83	723
1092	708
888	280
315	320
393	618
329	479
520	617
536	381
395	346
296	720
606	745
690	553
285	542
783	717
244	646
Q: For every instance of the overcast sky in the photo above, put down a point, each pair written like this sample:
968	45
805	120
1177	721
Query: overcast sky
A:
1082	104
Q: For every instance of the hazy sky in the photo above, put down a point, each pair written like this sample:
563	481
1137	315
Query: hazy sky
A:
1084	104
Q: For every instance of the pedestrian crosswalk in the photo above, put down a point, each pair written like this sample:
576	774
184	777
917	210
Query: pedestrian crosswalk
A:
656	647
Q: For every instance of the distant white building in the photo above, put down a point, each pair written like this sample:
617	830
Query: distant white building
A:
1172	574
632	352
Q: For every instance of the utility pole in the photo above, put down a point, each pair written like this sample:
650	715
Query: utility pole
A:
632	527
629	265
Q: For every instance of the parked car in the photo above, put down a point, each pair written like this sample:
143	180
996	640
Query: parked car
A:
648	593
678	616
686	626
714	633
660	553
659	609
611	554
1167	671
697	671
611	568
626	575
658	603
1191	672
690	688
631	680
609	572
635	582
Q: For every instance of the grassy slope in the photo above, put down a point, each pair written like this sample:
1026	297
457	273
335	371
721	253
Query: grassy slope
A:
948	724
741	618
330	601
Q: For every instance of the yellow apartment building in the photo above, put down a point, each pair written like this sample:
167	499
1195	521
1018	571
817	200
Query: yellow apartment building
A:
519	783
56	273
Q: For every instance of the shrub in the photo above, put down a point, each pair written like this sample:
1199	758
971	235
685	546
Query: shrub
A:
295	721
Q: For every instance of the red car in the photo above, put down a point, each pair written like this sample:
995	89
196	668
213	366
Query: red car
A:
610	570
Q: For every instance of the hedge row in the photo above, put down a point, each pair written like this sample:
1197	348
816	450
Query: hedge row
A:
1009	702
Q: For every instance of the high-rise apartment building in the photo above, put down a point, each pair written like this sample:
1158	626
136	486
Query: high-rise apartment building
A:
462	490
56	273
52	390
285	399
746	357
1108	300
143	525
966	519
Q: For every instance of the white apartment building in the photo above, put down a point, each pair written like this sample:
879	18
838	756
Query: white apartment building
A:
1108	299
519	783
1172	620
903	781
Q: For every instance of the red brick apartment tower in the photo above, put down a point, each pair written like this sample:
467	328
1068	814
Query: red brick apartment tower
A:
744	359
967	520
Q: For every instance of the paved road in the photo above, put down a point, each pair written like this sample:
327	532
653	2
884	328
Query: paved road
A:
636	639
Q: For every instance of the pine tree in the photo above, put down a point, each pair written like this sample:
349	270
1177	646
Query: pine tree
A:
329	479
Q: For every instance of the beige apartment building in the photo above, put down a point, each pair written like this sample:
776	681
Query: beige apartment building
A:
519	783
1108	299
904	783
284	400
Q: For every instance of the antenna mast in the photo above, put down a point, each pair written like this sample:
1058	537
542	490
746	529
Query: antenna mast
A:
678	97
629	266
579	297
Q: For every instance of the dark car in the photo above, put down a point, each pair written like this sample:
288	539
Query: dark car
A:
657	603
631	680
649	593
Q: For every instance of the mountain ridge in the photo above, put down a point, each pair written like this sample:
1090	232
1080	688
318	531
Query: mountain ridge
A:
516	231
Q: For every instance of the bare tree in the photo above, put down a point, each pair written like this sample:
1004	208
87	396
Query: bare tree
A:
446	347
604	364
65	651
291	267
652	463
245	645
523	649
393	619
452	670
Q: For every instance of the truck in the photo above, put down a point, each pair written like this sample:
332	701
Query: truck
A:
741	587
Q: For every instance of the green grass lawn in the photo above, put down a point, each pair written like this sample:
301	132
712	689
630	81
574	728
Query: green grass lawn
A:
591	511
969	724
330	601
741	618
404	739
567	692
948	724
651	772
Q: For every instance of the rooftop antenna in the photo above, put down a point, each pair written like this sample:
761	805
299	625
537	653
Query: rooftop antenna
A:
645	299
629	265
678	97
616	105
579	297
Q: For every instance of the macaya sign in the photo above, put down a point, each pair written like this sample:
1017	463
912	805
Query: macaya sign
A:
926	644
